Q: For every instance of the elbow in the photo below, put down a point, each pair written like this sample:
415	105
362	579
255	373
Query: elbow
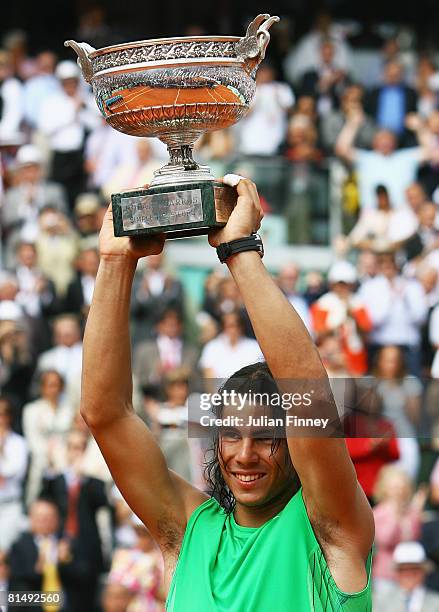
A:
99	414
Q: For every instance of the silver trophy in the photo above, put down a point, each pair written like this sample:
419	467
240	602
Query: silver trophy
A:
175	89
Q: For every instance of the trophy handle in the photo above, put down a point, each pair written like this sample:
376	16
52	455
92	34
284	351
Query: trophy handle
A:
83	50
251	49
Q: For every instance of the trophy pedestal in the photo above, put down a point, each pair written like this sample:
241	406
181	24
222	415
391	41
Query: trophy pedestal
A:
179	211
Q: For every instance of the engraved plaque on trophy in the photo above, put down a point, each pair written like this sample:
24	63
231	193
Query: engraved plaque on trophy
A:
175	89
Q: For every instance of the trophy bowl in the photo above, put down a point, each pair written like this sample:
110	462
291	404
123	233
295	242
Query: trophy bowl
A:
175	89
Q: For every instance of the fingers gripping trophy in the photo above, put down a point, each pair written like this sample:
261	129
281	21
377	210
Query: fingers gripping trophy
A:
175	89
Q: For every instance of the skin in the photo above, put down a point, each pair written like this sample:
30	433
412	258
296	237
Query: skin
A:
336	504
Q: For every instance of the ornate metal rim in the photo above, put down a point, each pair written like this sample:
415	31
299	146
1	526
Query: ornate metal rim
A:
160	41
195	61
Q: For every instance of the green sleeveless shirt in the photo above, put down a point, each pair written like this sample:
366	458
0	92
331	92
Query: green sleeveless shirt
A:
278	567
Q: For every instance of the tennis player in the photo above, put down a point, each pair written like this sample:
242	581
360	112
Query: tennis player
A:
287	527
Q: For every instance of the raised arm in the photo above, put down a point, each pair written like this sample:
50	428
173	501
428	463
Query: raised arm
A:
344	146
334	499
161	499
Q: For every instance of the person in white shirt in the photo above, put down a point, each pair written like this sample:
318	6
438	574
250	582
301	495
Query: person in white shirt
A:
263	129
377	228
66	356
396	169
398	308
46	422
105	150
37	89
230	351
409	593
65	118
13	464
306	54
11	94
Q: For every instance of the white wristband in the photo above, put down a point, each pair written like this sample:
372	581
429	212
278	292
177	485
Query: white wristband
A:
232	179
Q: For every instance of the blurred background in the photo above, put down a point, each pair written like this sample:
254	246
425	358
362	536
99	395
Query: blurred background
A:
342	140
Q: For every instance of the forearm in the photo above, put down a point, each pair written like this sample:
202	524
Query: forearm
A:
107	378
282	336
345	141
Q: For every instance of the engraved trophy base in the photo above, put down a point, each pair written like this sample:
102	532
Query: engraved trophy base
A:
179	211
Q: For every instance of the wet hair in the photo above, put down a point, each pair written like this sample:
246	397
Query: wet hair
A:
255	378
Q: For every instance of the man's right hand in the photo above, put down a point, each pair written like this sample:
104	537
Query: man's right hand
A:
124	246
246	217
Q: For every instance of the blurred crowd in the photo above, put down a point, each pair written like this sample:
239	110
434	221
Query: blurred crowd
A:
374	314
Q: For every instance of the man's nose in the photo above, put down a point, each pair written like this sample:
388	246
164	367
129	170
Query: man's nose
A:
247	451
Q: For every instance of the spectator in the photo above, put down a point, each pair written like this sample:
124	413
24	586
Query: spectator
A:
398	308
116	597
78	499
66	355
39	86
15	42
169	421
80	291
11	95
154	290
262	131
427	97
140	570
415	196
64	118
56	241
383	165
371	438
16	360
287	281
36	296
229	351
24	202
389	103
87	215
377	229
153	359
301	144
13	464
306	54
46	422
315	287
409	592
341	311
136	171
325	81
40	560
331	124
429	172
367	265
426	237
106	150
401	398
398	518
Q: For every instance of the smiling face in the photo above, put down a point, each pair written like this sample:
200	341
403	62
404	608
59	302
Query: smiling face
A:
256	468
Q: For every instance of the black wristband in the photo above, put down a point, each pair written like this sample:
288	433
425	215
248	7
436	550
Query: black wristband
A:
249	243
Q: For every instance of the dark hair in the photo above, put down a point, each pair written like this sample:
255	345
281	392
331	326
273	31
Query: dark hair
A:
381	190
45	373
169	311
255	378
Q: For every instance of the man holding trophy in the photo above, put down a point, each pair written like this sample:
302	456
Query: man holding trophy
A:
287	526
